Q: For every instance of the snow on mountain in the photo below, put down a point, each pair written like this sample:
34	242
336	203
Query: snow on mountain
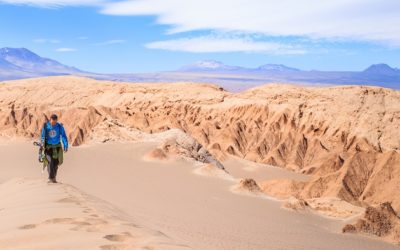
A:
210	65
277	68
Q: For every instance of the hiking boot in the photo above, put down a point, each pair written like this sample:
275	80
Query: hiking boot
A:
52	181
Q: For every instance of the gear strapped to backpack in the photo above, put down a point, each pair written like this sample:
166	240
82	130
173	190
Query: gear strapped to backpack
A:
42	145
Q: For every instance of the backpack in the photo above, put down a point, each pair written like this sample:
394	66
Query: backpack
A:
45	132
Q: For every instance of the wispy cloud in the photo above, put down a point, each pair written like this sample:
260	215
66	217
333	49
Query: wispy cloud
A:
359	20
43	40
82	38
362	20
65	50
209	44
109	42
55	3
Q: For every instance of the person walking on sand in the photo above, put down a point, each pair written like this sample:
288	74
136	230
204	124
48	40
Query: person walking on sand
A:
51	136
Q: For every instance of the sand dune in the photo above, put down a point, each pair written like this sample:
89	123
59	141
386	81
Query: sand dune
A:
168	198
345	138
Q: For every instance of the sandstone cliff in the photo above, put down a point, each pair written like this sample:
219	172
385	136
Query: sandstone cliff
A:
346	137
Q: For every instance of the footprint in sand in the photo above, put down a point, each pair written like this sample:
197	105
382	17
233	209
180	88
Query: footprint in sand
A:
69	200
96	221
28	226
159	233
118	237
132	225
89	224
59	221
114	247
88	210
81	223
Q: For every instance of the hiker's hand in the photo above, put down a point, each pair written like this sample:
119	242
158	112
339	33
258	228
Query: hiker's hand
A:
65	150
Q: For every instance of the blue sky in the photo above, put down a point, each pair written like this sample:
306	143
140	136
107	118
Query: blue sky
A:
153	35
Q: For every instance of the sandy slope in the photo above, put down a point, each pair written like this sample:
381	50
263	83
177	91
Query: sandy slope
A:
37	215
195	210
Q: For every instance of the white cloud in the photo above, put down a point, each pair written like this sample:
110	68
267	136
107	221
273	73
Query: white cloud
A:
114	41
362	20
54	3
209	44
82	38
65	50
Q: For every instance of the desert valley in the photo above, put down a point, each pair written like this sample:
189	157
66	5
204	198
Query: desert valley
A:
193	166
207	125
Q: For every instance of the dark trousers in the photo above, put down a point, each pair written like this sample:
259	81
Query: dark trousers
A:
53	164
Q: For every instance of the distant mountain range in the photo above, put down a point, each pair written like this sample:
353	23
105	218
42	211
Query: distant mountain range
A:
215	66
23	63
18	63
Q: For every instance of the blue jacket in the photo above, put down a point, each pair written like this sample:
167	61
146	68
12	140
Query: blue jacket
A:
54	134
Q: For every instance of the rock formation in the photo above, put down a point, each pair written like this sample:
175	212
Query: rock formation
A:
381	221
346	137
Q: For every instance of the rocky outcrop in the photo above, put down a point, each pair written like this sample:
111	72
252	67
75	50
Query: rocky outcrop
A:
295	204
381	221
249	185
175	142
365	178
183	145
